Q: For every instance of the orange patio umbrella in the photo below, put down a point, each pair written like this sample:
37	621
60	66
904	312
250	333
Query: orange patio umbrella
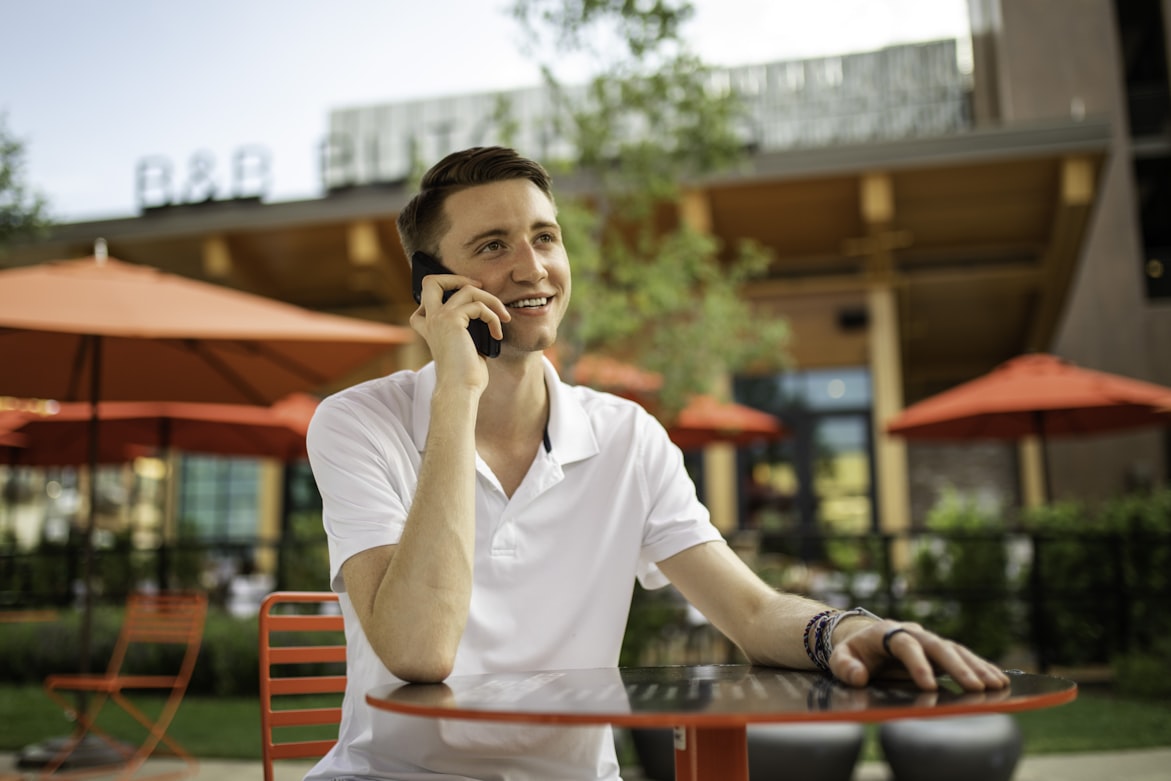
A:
706	420
101	329
1036	394
610	374
703	421
129	428
9	422
97	329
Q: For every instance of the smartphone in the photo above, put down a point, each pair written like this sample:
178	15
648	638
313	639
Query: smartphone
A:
423	265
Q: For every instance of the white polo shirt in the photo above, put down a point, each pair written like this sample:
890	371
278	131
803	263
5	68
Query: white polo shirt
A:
554	568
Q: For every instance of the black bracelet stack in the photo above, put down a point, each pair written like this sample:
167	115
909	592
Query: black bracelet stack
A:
814	631
818	636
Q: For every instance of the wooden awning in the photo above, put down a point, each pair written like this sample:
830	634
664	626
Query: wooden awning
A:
980	233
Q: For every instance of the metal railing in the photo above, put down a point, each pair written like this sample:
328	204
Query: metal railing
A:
1066	600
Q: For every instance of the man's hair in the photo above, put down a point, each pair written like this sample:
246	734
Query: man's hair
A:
422	222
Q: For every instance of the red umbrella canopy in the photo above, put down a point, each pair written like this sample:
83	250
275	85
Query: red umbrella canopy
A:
9	422
1035	394
128	428
706	420
159	336
610	374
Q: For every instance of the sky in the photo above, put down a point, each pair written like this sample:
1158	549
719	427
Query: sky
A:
92	88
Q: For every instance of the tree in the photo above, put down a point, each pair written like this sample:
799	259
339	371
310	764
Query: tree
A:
651	120
23	212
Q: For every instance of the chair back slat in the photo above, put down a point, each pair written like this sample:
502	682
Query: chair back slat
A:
306	716
315	653
170	618
297	749
305	623
317	684
296	666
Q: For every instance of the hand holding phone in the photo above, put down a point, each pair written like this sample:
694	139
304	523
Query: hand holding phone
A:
423	265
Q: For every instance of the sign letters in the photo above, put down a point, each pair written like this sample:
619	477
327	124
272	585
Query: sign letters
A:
155	184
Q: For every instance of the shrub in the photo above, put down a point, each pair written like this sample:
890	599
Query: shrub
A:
228	663
963	575
1105	572
1143	674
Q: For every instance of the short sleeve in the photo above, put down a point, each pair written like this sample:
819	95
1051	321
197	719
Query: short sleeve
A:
676	519
365	466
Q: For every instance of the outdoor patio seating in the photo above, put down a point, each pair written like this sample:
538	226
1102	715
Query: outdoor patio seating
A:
151	620
302	663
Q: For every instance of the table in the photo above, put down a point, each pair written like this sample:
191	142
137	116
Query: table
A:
710	706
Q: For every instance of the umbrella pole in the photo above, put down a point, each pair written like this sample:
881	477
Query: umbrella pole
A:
87	562
163	572
1043	446
1047	494
88	751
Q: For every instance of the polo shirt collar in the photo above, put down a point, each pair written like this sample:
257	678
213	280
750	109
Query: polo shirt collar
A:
570	430
570	433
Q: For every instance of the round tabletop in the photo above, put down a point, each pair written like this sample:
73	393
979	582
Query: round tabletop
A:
703	696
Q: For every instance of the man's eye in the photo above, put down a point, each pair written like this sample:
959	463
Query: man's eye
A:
547	237
492	246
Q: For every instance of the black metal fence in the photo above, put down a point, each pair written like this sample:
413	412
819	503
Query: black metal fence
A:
1065	600
1068	600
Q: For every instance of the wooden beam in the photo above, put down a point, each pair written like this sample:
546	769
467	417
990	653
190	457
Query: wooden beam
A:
224	266
370	267
1074	197
876	205
363	243
695	210
876	195
217	257
1015	276
765	289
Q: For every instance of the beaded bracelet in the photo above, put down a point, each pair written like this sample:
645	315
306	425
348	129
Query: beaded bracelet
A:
814	629
836	619
818	635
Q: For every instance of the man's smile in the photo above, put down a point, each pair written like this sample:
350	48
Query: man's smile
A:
529	303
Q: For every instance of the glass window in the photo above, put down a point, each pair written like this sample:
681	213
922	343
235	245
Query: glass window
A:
819	478
219	497
841	475
826	389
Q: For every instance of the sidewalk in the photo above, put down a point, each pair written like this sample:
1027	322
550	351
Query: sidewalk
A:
1138	765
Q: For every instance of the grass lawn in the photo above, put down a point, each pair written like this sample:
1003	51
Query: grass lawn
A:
229	728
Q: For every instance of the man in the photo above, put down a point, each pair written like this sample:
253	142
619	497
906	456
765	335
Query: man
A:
483	516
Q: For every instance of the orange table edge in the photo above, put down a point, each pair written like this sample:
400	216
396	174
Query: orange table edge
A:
711	743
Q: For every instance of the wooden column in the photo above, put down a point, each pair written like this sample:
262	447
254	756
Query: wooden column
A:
876	200
1032	472
721	495
893	489
270	508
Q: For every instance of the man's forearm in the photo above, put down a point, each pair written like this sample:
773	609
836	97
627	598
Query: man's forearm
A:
426	590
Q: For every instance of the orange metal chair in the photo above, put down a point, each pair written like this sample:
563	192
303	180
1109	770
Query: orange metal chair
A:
151	619
293	723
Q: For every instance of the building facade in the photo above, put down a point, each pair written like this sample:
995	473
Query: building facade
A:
932	210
